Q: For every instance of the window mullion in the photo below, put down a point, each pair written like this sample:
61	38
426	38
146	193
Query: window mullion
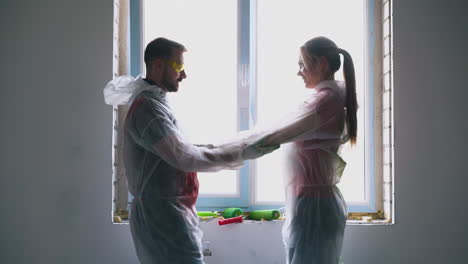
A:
253	92
244	84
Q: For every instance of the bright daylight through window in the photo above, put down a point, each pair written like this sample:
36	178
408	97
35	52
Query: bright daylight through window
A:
210	100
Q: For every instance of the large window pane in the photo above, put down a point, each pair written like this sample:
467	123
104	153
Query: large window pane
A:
282	28
205	104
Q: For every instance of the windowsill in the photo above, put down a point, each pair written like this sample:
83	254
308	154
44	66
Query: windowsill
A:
353	219
380	222
384	222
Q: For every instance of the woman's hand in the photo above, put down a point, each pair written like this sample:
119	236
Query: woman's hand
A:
257	149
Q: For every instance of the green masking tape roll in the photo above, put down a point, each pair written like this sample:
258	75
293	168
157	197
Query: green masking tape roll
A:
232	212
264	214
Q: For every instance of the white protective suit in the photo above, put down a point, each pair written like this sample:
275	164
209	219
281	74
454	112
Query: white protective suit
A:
315	209
160	164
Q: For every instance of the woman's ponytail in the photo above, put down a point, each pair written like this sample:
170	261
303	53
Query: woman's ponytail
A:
351	101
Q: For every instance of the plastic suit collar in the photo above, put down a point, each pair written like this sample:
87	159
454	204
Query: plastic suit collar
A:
122	90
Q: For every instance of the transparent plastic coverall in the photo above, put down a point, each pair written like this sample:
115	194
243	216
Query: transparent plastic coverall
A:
315	209
159	164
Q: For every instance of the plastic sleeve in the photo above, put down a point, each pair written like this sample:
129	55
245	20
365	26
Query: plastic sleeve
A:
312	115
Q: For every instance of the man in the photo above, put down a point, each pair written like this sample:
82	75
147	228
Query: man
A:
160	162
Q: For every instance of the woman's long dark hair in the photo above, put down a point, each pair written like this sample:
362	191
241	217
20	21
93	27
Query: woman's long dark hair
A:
324	47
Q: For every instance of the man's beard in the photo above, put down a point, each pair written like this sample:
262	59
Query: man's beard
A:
170	86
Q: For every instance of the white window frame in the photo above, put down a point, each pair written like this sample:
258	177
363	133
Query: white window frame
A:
128	53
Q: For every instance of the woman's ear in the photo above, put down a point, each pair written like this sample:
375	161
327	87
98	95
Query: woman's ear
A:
324	65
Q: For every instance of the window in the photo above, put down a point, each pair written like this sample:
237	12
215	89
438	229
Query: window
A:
242	63
277	52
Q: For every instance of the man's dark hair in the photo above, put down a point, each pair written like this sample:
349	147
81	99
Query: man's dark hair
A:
161	48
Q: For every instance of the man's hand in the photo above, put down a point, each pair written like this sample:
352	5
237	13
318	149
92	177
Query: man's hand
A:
257	149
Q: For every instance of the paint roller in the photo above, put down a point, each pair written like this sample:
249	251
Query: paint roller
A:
264	214
232	212
207	214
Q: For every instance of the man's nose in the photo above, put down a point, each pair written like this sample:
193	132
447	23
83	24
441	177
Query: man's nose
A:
183	75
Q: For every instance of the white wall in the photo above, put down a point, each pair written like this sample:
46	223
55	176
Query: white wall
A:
55	143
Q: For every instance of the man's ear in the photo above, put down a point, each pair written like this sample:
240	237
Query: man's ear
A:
156	66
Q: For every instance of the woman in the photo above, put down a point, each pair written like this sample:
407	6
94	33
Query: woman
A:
315	209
